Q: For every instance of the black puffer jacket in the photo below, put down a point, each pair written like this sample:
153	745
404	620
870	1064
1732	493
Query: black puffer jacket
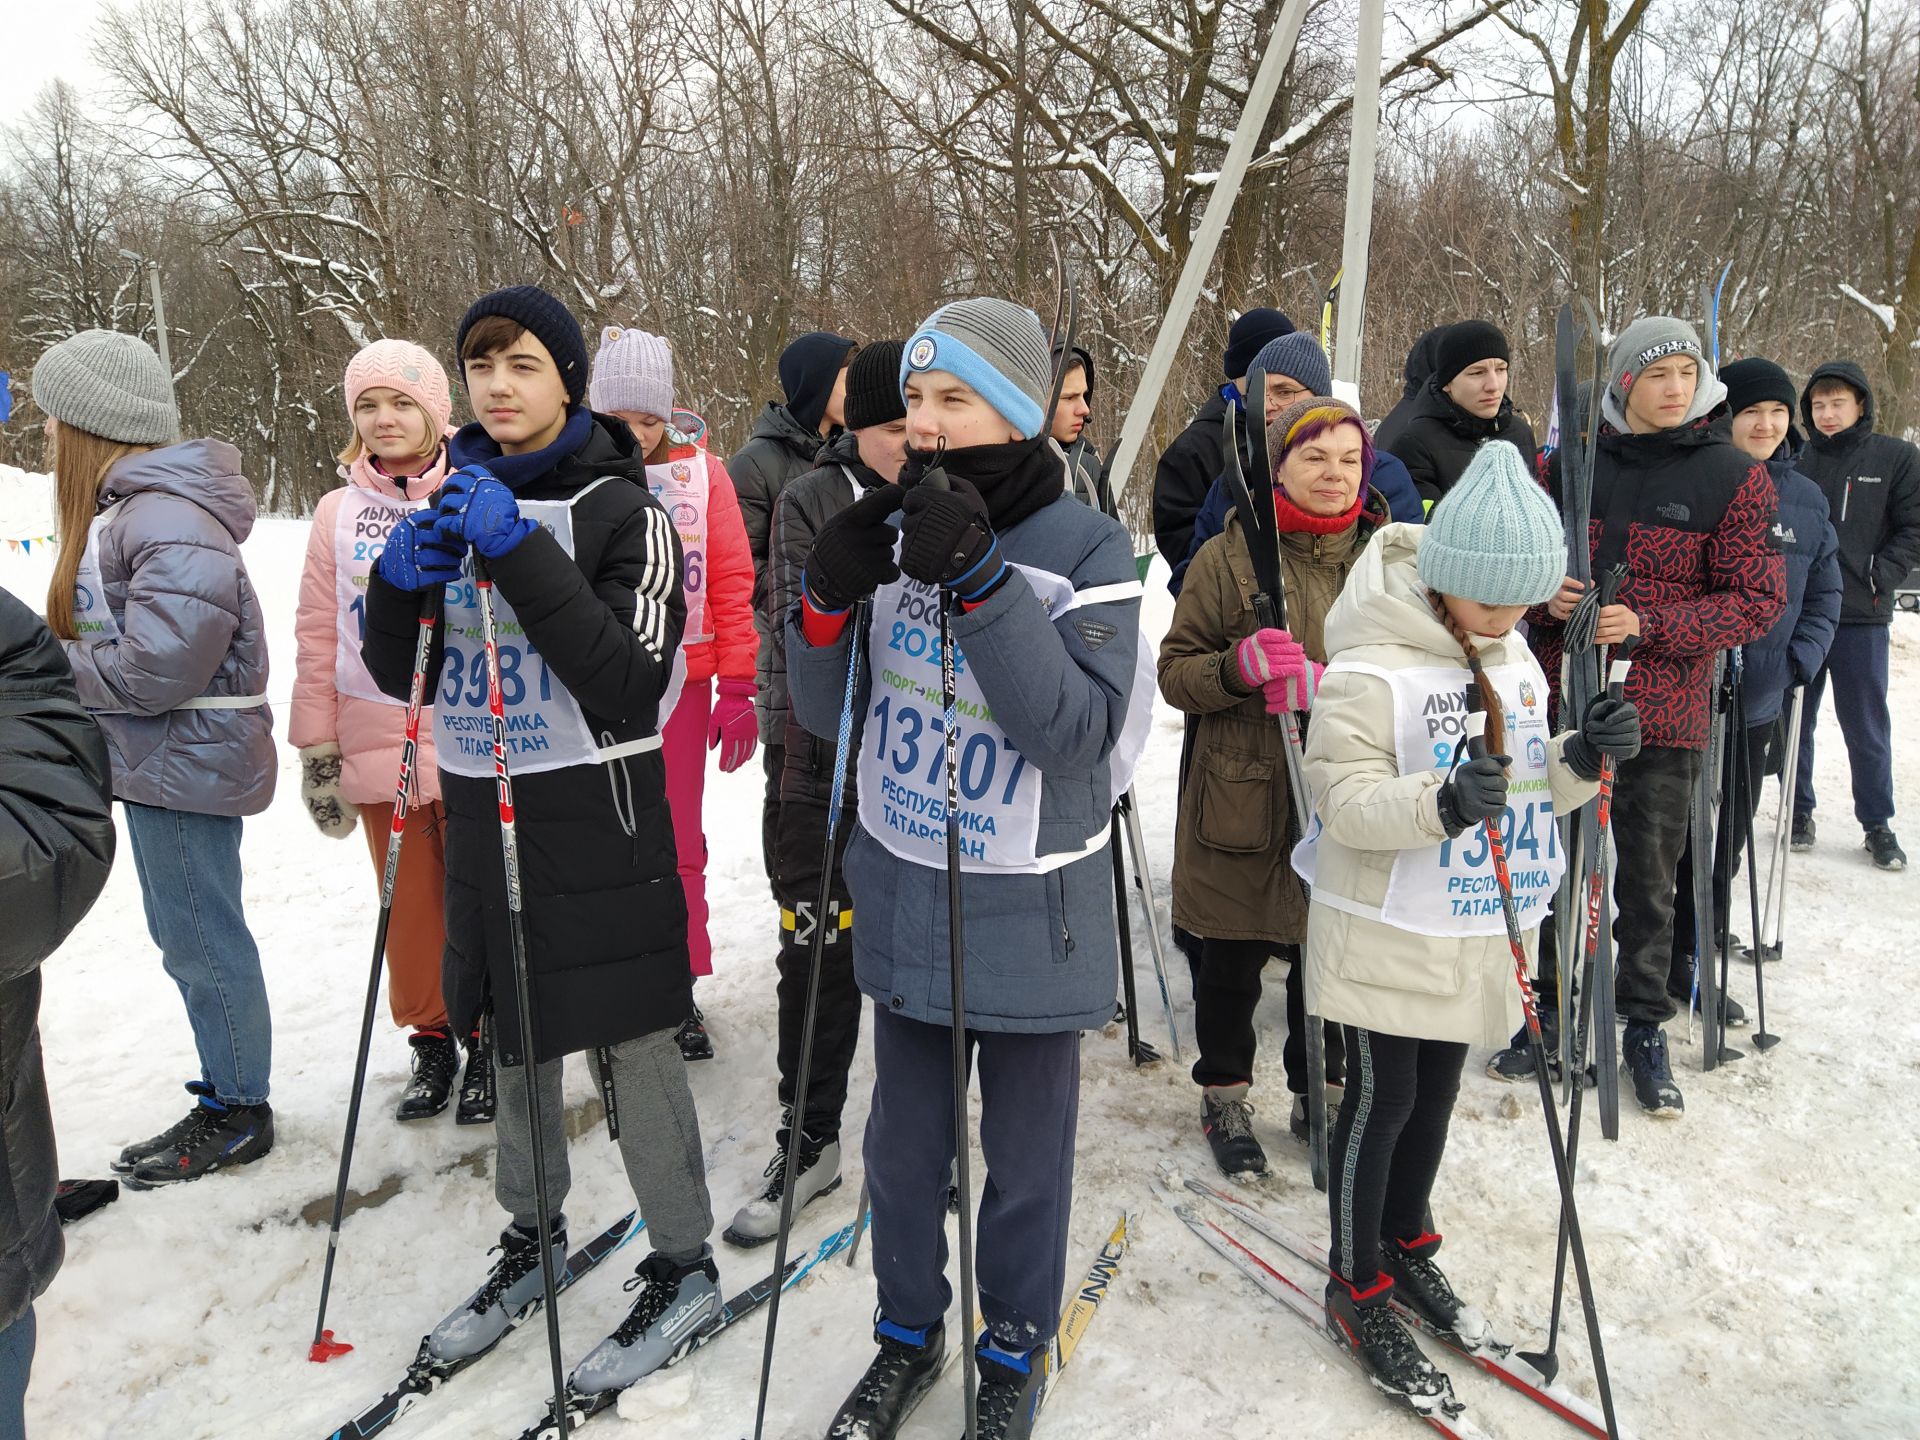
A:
1422	358
56	846
1439	438
1872	485
606	919
779	451
1185	474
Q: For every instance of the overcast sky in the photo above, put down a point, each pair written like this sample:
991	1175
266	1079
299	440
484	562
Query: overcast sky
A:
47	39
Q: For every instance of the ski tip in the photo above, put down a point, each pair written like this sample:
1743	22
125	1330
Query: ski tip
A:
326	1347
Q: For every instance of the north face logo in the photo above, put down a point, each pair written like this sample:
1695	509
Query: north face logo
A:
1675	512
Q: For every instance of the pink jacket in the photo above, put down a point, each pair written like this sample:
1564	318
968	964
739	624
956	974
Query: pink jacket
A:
369	733
732	652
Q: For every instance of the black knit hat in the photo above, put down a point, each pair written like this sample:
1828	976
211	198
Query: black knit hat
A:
1753	381
1248	336
549	322
1464	344
873	385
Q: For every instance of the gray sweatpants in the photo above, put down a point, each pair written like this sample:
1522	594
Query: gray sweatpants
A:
659	1144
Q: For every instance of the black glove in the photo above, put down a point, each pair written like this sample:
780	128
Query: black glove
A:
853	554
1472	792
949	540
1610	727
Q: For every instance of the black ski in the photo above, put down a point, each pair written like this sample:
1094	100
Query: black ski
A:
426	1374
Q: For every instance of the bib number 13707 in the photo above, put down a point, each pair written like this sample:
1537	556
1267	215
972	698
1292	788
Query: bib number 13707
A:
905	734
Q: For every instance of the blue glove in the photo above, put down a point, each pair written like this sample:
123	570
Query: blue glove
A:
477	510
416	557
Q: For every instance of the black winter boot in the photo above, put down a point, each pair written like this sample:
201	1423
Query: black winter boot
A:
436	1060
1643	1055
1226	1119
692	1037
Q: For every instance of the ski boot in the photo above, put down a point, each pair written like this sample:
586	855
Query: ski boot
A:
477	1097
758	1221
511	1291
1298	1124
214	1137
1419	1285
1364	1322
1011	1385
1804	831
435	1061
902	1372
1643	1055
692	1037
1226	1119
133	1154
676	1302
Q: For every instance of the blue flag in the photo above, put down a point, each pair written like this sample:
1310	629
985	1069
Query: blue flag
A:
6	397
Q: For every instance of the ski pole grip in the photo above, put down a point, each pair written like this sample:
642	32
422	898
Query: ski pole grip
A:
1476	733
1622	663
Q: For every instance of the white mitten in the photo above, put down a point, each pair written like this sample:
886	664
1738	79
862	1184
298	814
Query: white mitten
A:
320	790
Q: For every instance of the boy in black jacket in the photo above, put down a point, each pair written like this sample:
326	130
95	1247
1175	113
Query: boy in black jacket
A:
1872	485
589	610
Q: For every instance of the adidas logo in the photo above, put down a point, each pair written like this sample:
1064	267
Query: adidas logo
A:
1783	533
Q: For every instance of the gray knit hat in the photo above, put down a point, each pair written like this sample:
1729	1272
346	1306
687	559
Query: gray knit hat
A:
1495	537
997	347
110	385
1650	339
633	373
1299	357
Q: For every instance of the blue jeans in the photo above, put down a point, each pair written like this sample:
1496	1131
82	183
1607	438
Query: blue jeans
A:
189	867
1857	666
16	1359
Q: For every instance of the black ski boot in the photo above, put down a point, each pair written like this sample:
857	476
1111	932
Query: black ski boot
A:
1803	832
901	1374
1011	1385
216	1137
1515	1063
1419	1285
476	1086
1643	1055
692	1037
1364	1322
1226	1119
1886	851
123	1163
436	1059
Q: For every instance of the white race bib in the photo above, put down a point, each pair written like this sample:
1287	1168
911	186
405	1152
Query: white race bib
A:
902	766
545	728
1449	888
681	488
361	526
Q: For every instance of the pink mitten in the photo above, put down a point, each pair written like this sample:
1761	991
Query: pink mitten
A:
1273	662
733	730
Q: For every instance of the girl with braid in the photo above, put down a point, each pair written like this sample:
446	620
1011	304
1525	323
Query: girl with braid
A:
1406	940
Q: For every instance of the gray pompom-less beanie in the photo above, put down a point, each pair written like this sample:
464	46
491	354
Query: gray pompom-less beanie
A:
108	384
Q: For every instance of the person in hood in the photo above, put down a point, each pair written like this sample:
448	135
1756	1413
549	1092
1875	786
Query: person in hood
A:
1296	367
1759	420
1045	603
632	380
1422	356
1407	934
1086	473
1691	519
589	611
1462	405
860	461
1872	485
350	734
1189	466
1231	882
160	622
56	847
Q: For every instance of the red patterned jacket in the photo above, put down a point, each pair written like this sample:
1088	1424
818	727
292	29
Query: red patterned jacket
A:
1691	517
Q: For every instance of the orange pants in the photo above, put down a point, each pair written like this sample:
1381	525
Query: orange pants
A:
417	930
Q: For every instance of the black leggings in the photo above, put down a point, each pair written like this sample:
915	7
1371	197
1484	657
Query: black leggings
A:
1386	1145
1226	992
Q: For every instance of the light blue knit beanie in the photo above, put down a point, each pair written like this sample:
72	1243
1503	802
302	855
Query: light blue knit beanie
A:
1495	537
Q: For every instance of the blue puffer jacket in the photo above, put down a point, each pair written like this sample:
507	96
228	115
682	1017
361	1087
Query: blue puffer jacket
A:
1796	647
1040	949
1390	479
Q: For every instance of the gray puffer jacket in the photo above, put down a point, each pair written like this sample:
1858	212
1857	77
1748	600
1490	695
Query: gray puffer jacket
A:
1041	948
190	635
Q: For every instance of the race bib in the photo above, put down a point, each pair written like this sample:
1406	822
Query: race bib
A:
902	765
92	620
680	485
1450	888
361	526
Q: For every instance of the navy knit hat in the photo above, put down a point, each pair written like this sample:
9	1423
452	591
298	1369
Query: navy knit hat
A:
808	368
873	385
1299	357
1467	343
1247	335
546	319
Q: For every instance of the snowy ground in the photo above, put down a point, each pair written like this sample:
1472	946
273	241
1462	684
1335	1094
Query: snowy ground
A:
1754	1263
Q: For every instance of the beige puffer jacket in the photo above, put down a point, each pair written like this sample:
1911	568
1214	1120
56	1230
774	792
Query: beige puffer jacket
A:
1361	971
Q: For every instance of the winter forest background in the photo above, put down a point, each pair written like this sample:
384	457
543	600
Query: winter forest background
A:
311	174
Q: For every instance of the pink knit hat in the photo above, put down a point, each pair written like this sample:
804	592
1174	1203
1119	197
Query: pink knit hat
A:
632	374
404	366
